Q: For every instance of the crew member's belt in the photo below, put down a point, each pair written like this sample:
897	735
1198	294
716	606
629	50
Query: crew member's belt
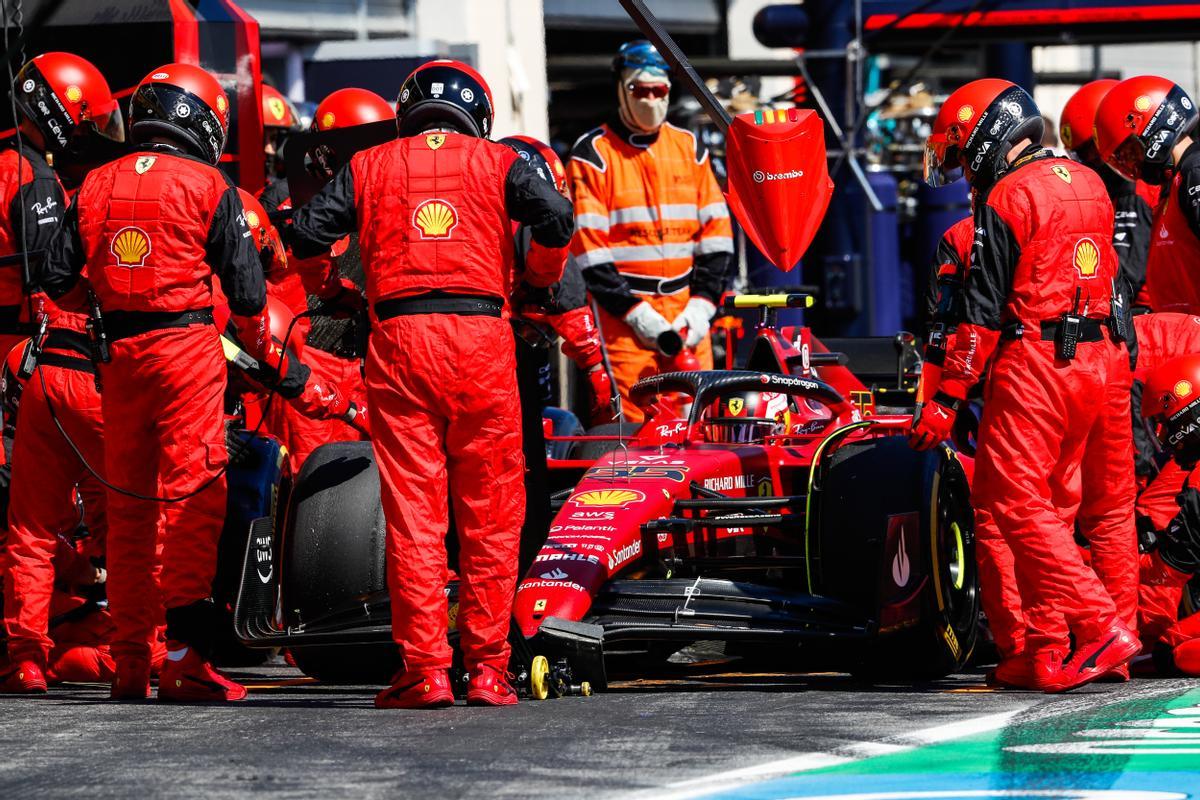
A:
63	339
1090	330
123	324
66	362
460	305
11	324
640	284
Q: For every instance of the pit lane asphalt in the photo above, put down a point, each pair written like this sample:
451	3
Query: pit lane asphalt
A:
294	738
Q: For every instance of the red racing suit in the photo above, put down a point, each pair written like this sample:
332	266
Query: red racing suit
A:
152	228
944	307
45	474
1043	249
1171	280
433	214
41	199
1165	572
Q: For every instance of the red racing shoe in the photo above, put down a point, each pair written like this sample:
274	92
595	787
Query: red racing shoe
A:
187	678
490	687
23	677
1013	672
132	679
1111	650
429	689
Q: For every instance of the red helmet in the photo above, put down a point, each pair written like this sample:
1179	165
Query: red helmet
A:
445	94
1138	124
1077	126
746	417
1172	399
264	234
280	321
277	111
185	104
542	158
67	99
346	108
974	130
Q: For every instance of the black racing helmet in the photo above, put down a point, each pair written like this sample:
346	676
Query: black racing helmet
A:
185	104
442	94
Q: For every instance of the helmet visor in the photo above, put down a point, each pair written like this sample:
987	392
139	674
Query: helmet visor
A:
1129	158
941	161
108	121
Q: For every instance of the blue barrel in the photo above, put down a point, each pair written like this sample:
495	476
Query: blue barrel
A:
937	210
884	278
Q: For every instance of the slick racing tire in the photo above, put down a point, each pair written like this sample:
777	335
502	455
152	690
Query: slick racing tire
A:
869	488
590	451
333	558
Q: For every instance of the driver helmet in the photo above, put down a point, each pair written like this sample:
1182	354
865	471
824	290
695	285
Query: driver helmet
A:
747	417
66	98
1138	124
976	128
1171	399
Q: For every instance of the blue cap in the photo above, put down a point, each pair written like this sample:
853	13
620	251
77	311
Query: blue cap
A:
640	54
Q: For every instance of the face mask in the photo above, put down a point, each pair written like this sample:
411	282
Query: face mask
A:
644	95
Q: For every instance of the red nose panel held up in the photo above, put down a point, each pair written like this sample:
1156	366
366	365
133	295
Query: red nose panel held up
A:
779	186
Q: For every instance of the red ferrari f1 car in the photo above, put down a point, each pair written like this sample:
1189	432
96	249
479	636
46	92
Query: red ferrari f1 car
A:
772	505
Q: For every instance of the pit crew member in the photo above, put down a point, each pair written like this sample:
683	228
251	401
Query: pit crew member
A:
1172	401
63	101
434	213
152	228
1144	131
1037	309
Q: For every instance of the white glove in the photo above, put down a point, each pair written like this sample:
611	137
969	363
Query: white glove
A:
696	317
647	324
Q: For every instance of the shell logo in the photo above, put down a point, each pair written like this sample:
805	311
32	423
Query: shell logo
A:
1142	103
965	113
222	103
1183	389
435	219
327	120
278	110
74	93
131	246
1087	258
608	497
251	219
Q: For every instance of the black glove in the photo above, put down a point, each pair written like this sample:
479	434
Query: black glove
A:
238	446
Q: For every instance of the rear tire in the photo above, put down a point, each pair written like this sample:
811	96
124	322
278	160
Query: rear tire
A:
333	557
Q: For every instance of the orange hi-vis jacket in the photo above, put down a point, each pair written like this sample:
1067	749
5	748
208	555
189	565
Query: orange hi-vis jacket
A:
650	218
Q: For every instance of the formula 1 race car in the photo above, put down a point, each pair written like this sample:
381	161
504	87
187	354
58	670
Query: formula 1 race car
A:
772	505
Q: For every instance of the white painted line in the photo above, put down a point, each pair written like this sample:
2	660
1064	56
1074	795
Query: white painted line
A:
804	762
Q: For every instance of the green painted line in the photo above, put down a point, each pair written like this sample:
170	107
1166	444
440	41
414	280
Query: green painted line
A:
1140	735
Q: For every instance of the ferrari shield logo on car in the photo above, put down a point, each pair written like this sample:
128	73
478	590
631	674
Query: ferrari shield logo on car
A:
1062	172
435	140
736	406
1087	258
435	219
131	246
143	164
